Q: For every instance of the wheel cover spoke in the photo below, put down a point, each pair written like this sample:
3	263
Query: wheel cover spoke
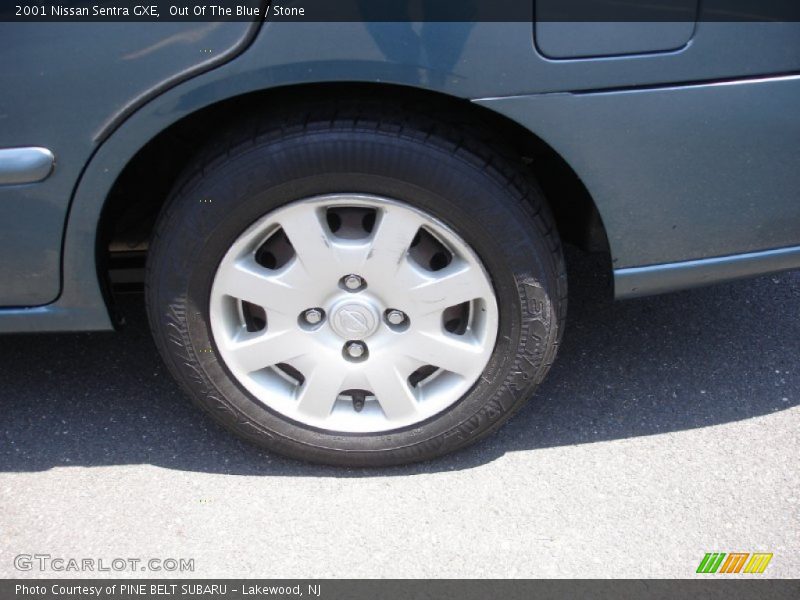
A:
317	395
246	280
445	351
256	352
309	238
394	231
392	391
405	372
456	284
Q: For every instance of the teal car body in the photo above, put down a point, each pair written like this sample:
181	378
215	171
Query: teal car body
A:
684	136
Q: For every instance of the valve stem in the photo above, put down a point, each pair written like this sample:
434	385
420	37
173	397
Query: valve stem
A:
359	398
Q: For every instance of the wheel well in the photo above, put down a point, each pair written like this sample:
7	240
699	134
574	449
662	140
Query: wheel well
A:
137	196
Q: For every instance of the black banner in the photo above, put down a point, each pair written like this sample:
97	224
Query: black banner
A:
411	589
401	10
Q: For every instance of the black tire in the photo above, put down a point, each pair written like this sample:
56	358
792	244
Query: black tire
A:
487	199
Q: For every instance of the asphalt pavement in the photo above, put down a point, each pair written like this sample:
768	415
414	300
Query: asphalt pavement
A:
669	427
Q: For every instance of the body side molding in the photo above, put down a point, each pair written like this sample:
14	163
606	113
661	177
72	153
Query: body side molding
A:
655	279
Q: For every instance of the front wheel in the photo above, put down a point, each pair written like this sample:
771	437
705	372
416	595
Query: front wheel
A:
356	291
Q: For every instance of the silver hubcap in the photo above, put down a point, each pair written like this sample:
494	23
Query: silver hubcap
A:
353	313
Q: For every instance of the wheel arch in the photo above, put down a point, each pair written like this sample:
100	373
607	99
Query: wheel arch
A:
139	184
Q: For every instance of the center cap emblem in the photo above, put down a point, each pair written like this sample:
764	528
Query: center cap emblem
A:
354	320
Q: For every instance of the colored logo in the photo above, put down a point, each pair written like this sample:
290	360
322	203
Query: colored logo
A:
735	562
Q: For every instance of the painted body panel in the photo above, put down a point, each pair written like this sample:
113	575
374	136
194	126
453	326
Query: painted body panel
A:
60	84
681	173
497	65
479	60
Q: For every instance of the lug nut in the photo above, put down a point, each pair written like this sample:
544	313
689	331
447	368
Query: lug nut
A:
353	282
312	316
396	317
355	349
